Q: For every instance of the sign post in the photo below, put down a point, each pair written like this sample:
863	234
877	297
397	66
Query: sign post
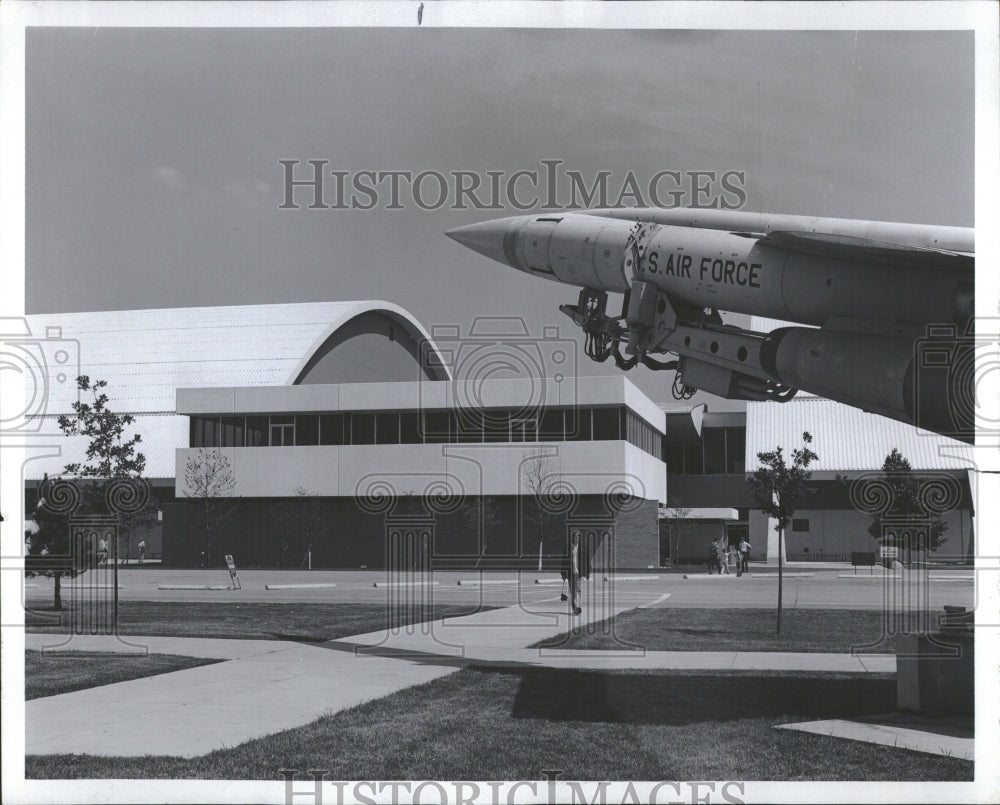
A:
232	572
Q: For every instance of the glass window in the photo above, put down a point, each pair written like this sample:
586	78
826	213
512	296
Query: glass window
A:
578	424
470	426
194	431
736	447
692	460
496	426
715	451
409	428
800	524
524	430
331	429
551	425
387	428
307	429
606	424
233	431
362	428
437	427
257	435
282	431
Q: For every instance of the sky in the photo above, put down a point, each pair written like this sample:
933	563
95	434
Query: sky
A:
153	155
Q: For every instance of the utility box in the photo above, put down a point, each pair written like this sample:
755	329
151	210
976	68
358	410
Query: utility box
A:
935	671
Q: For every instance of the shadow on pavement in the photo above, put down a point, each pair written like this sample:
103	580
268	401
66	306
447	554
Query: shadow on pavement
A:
563	695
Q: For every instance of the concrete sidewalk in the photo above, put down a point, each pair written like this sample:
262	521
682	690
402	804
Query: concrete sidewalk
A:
267	686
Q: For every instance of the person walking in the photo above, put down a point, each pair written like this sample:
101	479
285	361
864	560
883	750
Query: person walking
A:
102	551
577	566
142	550
713	556
744	556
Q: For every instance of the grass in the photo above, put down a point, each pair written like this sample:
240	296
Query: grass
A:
682	629
253	621
490	724
49	673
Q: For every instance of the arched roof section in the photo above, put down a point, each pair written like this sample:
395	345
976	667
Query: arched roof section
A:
425	351
146	355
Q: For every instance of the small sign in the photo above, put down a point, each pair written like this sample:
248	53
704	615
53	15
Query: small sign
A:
232	572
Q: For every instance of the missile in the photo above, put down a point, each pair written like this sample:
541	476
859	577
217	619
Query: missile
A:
866	293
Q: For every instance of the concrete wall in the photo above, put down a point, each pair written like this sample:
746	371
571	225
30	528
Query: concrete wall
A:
586	468
836	533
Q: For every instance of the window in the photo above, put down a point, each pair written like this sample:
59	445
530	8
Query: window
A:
205	432
470	426
715	451
496	426
387	428
578	424
331	429
282	431
551	425
409	428
524	430
307	430
437	427
233	431
736	450
362	428
257	434
606	424
800	524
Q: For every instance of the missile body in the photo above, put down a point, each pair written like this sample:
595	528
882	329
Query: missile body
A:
866	302
707	268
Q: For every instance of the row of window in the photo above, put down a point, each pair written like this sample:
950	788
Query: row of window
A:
427	427
721	451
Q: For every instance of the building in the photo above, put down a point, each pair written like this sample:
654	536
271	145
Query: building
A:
709	455
353	438
337	420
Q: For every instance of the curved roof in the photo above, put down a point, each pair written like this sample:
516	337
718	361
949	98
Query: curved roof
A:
146	355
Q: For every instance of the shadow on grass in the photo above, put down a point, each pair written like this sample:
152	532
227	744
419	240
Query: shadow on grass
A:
594	696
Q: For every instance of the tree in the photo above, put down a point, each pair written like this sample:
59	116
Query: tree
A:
49	551
110	454
482	517
544	491
676	522
308	518
208	478
904	488
778	488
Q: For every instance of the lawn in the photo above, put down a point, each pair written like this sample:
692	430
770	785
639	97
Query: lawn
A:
49	673
254	621
682	629
493	724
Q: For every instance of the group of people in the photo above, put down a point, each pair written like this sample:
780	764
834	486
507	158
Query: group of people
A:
723	557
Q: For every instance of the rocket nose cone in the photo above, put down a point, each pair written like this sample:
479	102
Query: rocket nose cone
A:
486	238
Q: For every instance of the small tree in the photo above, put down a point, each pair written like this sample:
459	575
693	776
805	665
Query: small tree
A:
110	454
308	518
778	488
905	504
47	537
208	479
540	481
676	524
482	517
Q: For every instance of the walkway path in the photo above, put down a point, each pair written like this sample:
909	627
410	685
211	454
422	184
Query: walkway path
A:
267	686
